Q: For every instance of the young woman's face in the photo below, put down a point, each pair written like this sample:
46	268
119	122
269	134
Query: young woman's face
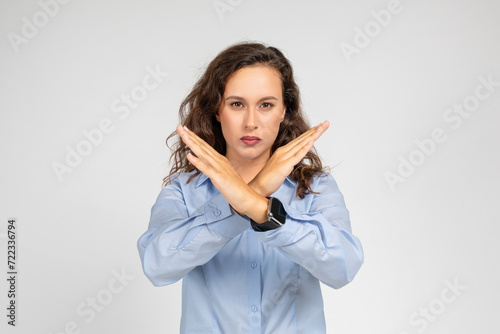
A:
250	113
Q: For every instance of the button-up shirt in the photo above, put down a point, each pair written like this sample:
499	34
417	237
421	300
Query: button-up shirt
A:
237	280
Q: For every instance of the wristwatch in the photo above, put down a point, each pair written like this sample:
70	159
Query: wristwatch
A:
276	214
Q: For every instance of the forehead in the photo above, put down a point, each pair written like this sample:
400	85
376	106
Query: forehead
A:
254	80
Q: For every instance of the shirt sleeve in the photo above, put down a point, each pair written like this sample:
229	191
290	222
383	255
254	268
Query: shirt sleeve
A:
180	238
320	239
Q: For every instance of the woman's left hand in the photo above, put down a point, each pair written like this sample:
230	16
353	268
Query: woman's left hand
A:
242	198
282	162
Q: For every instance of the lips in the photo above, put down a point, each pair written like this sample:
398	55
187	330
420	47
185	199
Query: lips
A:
250	140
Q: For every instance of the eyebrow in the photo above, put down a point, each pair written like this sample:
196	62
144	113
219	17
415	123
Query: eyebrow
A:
232	97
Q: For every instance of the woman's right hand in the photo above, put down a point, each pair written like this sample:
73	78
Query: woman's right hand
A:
283	160
240	196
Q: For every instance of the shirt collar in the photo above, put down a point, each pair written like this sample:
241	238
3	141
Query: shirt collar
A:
289	179
200	179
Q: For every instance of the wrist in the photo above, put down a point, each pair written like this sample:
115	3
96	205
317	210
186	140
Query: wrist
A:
258	208
255	185
276	217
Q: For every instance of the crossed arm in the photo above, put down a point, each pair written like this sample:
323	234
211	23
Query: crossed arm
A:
319	239
249	199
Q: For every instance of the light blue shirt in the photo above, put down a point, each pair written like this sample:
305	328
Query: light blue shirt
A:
237	280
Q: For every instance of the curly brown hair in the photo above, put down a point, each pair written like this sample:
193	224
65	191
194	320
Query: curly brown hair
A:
199	108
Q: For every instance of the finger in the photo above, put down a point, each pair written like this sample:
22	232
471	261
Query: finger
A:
300	154
320	129
212	160
289	149
310	135
208	149
189	139
180	130
299	150
195	137
316	132
200	152
199	164
197	145
184	133
324	126
191	142
306	135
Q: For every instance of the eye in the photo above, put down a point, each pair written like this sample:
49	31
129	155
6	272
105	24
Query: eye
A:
237	104
267	105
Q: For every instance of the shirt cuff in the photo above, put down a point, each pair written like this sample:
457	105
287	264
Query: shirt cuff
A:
223	220
282	235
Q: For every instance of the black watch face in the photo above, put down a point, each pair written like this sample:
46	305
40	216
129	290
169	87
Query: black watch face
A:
277	210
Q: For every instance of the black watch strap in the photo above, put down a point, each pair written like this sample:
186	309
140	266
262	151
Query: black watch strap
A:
276	216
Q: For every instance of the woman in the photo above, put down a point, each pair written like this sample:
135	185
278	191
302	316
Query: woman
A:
247	216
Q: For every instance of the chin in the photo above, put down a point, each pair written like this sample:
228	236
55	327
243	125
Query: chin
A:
255	156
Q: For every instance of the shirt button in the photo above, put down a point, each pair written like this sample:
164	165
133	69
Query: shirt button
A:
254	308
217	212
253	264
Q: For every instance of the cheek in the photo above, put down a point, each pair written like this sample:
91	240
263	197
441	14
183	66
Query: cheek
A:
226	121
228	126
275	121
273	126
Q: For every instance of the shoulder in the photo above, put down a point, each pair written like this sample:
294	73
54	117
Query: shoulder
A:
324	183
321	183
181	183
183	179
319	180
323	178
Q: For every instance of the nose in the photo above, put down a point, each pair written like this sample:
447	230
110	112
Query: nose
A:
251	121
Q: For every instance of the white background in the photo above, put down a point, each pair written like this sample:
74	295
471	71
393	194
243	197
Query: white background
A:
439	225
